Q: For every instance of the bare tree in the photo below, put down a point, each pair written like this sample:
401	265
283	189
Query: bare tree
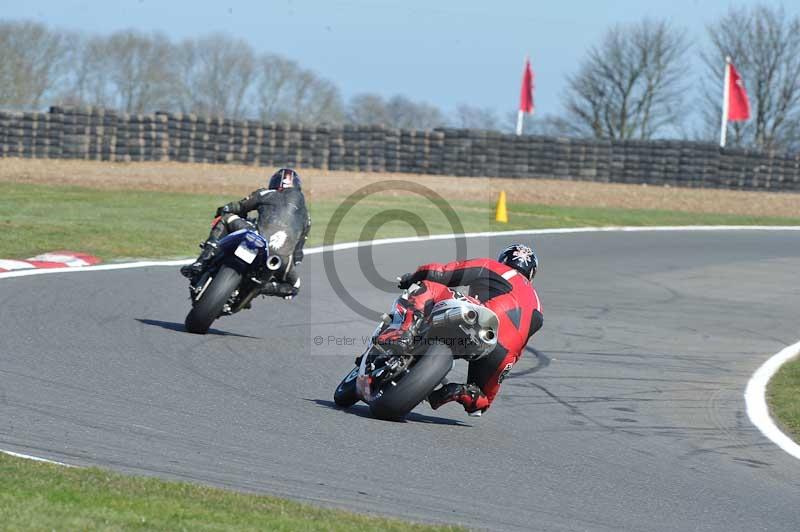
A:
127	70
407	114
367	109
33	61
288	93
216	75
473	117
765	46
275	77
312	99
317	100
398	111
87	82
550	125
136	70
630	86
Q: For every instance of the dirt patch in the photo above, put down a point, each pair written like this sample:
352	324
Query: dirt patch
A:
238	180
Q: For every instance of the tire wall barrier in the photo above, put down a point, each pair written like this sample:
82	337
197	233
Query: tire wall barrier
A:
92	133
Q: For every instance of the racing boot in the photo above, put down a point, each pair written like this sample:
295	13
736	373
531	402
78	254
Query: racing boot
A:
282	289
415	307
469	395
397	341
193	270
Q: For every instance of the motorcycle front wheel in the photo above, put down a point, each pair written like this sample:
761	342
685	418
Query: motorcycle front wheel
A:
345	395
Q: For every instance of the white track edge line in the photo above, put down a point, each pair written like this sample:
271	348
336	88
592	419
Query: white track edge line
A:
401	240
759	414
34	458
755	396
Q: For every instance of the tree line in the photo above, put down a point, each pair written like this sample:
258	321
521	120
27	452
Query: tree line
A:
214	74
634	83
637	84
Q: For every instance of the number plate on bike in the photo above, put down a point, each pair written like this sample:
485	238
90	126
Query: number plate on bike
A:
245	253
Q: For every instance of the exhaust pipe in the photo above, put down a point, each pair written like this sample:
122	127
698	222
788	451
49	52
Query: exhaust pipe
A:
274	262
486	335
470	316
456	316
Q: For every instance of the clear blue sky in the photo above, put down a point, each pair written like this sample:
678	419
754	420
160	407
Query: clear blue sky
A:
441	51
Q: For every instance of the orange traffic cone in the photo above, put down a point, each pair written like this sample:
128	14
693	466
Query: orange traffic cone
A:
501	213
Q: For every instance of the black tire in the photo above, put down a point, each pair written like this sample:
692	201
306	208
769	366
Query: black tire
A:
205	311
345	395
397	401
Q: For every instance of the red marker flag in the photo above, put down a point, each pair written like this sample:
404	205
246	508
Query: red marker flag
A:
739	105
735	105
525	95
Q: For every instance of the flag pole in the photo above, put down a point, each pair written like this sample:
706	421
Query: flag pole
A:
725	102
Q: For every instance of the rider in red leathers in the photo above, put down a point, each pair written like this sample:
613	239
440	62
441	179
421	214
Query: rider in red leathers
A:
504	286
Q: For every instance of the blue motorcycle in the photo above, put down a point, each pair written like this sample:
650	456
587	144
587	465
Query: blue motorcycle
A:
241	267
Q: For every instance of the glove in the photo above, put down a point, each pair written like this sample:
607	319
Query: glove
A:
225	209
405	280
298	257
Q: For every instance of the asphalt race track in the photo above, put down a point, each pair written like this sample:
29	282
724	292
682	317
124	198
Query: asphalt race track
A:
631	416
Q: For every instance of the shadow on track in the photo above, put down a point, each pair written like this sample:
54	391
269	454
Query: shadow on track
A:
179	327
362	410
542	361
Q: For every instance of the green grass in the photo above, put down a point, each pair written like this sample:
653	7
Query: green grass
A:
109	224
125	224
783	395
37	496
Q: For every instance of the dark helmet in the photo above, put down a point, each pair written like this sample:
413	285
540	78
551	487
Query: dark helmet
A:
284	178
520	257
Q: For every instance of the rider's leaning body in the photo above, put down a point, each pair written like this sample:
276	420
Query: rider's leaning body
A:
281	209
505	286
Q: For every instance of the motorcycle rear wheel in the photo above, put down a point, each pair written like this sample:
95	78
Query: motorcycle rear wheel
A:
209	307
398	400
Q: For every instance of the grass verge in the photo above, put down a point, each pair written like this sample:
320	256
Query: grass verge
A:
37	496
783	396
116	224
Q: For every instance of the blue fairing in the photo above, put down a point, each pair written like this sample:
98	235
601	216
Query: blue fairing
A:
231	242
252	239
